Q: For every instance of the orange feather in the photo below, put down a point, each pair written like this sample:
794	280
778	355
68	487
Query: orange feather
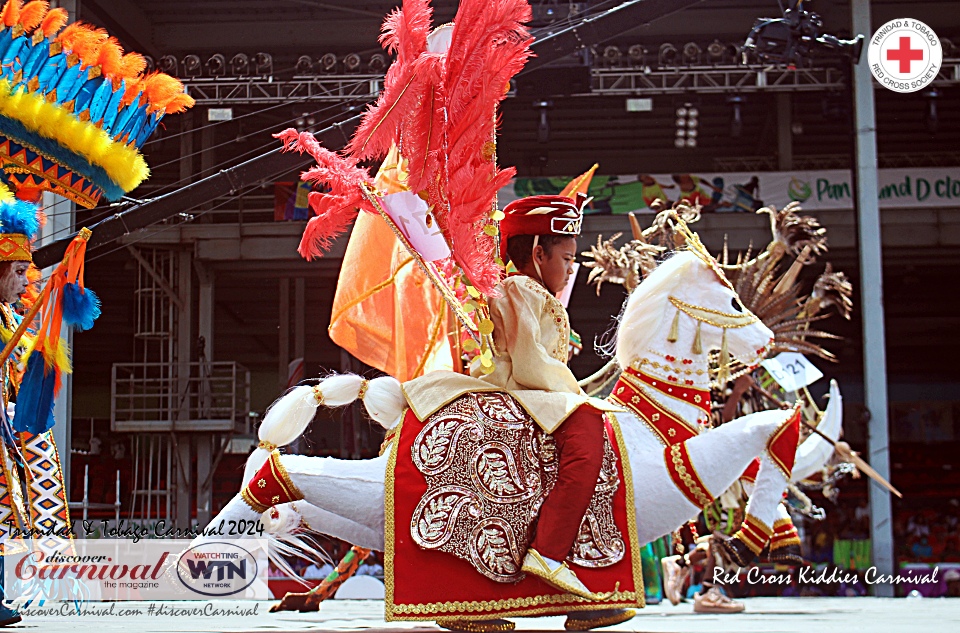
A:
32	14
10	14
55	20
134	88
180	103
109	57
161	89
132	65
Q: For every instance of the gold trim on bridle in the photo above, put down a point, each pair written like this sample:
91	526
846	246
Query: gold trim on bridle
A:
716	318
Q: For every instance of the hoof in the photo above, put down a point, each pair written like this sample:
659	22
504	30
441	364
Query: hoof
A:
588	620
477	626
787	555
733	550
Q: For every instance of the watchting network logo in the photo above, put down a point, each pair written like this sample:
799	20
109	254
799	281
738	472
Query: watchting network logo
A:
905	55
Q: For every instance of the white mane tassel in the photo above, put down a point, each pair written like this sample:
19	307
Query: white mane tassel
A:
288	417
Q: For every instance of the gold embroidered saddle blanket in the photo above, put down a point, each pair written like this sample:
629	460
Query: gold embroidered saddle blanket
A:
469	481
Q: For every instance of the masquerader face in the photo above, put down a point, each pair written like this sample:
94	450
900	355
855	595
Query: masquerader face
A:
556	266
13	281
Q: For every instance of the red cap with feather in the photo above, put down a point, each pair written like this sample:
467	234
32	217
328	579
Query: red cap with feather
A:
541	215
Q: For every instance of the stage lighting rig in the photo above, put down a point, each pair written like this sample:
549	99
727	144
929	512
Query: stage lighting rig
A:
217	65
668	55
263	63
691	53
304	65
168	64
637	54
240	65
328	63
351	63
192	66
796	39
377	64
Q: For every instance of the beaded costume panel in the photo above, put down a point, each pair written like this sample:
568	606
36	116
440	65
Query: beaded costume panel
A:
488	467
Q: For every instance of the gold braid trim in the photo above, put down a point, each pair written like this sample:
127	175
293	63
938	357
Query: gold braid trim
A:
363	388
267	446
258	507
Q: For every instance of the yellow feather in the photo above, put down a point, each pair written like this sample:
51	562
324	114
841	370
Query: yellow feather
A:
122	163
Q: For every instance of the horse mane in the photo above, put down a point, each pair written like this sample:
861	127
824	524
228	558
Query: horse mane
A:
643	311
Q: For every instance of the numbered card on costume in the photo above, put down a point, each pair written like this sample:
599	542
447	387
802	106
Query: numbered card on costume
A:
792	370
409	212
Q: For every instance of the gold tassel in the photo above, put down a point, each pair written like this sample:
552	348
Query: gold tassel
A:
697	345
724	360
675	328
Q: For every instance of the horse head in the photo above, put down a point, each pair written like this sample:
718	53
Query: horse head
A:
684	309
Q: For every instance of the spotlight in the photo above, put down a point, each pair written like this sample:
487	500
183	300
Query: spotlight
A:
680	143
691	142
691	53
263	63
736	122
217	65
611	56
667	56
151	63
192	65
351	63
239	65
637	55
304	65
377	64
715	52
328	63
168	64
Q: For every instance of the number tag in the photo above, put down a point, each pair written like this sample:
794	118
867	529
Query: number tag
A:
792	370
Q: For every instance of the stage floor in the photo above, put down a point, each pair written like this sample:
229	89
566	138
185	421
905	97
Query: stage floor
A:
767	615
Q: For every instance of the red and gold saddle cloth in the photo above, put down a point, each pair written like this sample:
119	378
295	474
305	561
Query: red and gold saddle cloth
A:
463	489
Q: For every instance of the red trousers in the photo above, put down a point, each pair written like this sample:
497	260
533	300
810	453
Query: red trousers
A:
580	448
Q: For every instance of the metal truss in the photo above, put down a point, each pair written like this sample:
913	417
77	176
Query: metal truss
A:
606	82
229	91
707	79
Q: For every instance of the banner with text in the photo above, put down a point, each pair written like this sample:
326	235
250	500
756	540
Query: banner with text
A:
922	187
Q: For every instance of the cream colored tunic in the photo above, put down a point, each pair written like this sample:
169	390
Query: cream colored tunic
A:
532	336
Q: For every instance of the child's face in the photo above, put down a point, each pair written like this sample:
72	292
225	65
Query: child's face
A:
557	265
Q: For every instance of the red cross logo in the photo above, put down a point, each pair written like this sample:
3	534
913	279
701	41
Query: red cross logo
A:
905	54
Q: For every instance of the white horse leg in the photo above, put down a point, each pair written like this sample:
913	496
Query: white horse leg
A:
738	442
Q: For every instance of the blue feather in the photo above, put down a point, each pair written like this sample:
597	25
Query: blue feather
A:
12	52
51	71
70	83
81	307
100	100
6	38
34	412
112	108
87	93
20	217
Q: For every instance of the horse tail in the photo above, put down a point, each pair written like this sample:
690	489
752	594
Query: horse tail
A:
288	417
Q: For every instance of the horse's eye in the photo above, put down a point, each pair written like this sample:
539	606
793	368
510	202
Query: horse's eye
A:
735	301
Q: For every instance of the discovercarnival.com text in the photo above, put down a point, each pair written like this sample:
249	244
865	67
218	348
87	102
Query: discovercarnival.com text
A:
92	610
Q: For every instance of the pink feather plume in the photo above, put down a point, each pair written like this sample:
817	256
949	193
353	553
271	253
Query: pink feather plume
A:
335	209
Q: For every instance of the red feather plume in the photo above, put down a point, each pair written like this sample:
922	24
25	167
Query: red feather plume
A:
336	209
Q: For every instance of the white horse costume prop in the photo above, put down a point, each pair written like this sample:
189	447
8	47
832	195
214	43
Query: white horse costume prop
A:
682	311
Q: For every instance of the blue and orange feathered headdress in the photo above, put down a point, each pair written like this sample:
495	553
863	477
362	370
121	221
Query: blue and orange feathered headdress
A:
74	108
